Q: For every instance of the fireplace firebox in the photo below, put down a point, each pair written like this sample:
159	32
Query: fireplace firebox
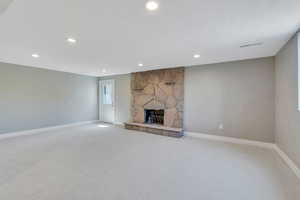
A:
154	116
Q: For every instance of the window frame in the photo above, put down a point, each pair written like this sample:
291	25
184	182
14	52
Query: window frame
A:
298	68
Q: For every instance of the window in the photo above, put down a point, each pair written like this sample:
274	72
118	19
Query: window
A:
106	94
299	71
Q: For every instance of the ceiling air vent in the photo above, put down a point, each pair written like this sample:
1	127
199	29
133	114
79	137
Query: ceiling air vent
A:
251	45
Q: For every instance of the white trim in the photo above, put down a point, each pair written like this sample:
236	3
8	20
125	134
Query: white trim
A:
101	82
298	68
40	130
114	99
230	140
272	146
100	100
287	160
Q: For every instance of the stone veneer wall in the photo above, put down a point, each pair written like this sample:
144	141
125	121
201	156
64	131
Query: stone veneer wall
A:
158	89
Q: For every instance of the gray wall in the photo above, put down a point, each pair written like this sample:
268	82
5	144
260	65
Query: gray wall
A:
287	133
122	96
239	95
34	98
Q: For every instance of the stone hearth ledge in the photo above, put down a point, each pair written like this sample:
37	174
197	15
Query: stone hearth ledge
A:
155	129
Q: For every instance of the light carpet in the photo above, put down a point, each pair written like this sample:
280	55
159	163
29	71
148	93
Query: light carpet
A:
110	163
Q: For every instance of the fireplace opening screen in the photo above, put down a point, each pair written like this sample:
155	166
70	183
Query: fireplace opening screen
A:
154	116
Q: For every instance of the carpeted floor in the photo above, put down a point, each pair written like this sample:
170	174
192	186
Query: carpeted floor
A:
96	162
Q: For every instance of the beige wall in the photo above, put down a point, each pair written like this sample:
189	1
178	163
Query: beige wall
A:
239	95
287	116
35	98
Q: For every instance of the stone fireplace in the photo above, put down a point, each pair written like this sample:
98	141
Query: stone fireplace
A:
157	101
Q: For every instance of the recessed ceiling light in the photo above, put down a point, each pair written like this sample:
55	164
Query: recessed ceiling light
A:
72	40
35	55
152	5
141	64
196	56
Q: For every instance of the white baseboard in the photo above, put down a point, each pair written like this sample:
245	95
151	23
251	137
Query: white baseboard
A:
288	161
230	140
40	130
271	146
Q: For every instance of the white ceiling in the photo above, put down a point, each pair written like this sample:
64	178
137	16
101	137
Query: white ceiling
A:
118	34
